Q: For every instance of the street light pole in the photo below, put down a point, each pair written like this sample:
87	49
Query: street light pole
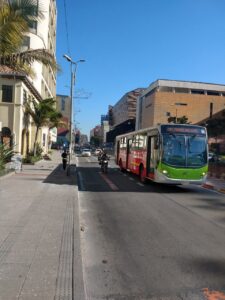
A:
72	85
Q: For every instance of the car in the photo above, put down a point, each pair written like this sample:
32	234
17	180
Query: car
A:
86	152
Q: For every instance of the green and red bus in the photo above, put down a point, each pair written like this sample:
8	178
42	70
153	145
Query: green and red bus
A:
167	153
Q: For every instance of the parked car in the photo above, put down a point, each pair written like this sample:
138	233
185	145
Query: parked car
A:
86	152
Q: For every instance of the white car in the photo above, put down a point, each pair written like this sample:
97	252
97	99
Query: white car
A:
86	152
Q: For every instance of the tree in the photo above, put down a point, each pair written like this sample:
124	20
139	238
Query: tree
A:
43	113
15	18
95	140
180	120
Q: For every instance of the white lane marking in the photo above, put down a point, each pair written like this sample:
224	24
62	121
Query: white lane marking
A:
141	184
130	178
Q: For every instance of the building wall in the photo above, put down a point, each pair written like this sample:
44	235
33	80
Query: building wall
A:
63	104
45	38
158	105
125	108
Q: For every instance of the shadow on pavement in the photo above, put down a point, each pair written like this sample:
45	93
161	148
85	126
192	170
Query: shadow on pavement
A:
59	176
90	179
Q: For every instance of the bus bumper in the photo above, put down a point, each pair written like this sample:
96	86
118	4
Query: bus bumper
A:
161	178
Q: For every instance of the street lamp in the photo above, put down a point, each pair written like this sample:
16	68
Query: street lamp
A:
72	85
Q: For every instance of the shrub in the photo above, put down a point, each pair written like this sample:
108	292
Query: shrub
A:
5	155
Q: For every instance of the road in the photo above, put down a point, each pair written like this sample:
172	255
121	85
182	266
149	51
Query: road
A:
149	241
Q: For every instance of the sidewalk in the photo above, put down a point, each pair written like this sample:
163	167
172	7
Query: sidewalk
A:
216	184
39	234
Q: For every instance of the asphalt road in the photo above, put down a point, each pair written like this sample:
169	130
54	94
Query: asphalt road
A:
149	241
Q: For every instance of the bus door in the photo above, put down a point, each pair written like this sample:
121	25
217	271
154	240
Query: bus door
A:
129	144
152	148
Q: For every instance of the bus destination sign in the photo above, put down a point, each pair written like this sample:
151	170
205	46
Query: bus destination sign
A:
183	129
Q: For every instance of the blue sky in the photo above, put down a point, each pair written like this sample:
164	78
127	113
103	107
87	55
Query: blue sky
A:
130	43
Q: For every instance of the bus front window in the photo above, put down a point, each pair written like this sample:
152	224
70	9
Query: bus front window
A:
196	151
174	150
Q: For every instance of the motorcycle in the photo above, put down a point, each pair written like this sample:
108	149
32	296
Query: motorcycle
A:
104	164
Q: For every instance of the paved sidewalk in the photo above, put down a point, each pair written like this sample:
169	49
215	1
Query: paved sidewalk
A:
40	234
216	184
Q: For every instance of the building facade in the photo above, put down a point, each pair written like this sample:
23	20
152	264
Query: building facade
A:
17	88
125	108
170	98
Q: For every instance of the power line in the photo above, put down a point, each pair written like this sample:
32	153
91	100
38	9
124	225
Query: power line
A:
66	24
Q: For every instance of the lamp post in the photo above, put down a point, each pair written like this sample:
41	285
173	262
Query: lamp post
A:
72	85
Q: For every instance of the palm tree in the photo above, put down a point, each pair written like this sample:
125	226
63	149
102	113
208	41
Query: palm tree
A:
15	18
43	114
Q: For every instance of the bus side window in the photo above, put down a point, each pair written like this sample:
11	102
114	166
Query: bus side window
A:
156	142
156	150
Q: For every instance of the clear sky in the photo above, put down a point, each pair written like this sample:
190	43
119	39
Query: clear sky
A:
131	43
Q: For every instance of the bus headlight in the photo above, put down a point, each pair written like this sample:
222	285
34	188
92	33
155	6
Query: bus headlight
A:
203	174
165	172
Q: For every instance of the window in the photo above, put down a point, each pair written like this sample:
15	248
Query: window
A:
63	104
181	104
24	97
7	93
26	42
212	93
44	139
33	26
199	92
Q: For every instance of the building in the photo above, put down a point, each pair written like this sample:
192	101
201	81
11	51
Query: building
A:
63	105
125	108
43	36
16	87
122	116
171	98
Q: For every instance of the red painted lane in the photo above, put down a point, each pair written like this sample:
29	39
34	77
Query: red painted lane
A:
109	182
213	295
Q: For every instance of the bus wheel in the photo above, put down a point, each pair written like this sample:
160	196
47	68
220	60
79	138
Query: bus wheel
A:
142	174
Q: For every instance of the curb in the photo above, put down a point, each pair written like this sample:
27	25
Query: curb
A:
208	186
222	191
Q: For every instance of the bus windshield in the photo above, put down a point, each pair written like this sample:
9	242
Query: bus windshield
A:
184	150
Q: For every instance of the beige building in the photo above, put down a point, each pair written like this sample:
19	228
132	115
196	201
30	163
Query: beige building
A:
16	88
125	108
170	98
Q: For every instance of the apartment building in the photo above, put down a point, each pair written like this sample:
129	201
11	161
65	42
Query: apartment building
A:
16	88
172	98
125	108
63	104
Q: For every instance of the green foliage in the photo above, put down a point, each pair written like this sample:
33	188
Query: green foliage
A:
96	141
180	120
43	113
5	155
15	18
